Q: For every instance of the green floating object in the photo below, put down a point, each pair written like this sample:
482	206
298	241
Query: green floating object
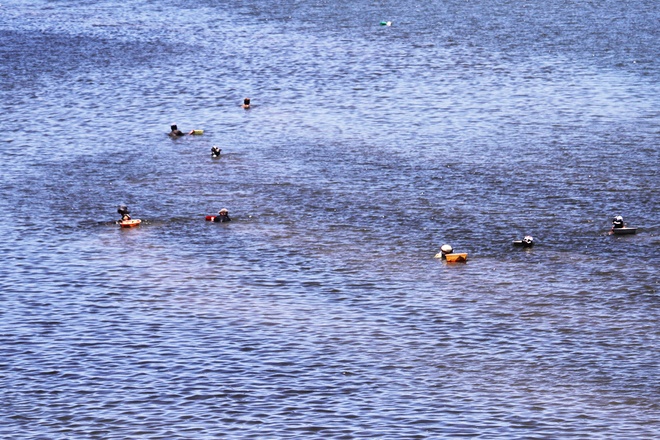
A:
386	23
198	132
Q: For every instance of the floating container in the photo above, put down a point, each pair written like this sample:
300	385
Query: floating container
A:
198	132
130	223
456	258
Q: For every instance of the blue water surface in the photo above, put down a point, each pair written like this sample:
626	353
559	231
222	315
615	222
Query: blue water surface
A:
320	310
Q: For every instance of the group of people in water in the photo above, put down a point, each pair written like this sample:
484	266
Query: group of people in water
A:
222	217
215	151
527	241
223	214
445	249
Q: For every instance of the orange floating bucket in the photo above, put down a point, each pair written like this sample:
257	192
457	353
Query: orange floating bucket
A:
456	258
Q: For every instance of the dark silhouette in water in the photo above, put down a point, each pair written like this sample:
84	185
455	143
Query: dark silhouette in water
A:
223	216
175	132
124	212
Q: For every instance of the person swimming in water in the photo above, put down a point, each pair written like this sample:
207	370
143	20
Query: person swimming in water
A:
223	216
246	103
215	151
124	212
175	133
617	222
444	250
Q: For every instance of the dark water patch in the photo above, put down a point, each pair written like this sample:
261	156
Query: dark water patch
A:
45	56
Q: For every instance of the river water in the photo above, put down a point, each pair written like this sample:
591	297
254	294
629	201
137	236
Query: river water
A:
320	310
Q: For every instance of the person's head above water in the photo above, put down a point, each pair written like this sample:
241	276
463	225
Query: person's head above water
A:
617	222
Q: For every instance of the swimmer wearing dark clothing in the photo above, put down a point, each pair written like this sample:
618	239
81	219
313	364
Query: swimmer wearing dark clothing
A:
617	222
175	131
215	151
222	217
246	103
124	212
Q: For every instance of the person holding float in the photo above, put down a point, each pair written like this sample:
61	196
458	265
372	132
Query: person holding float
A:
447	253
444	250
175	132
620	228
223	216
124	212
126	221
526	242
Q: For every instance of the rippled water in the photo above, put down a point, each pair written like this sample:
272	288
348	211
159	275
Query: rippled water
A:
320	310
